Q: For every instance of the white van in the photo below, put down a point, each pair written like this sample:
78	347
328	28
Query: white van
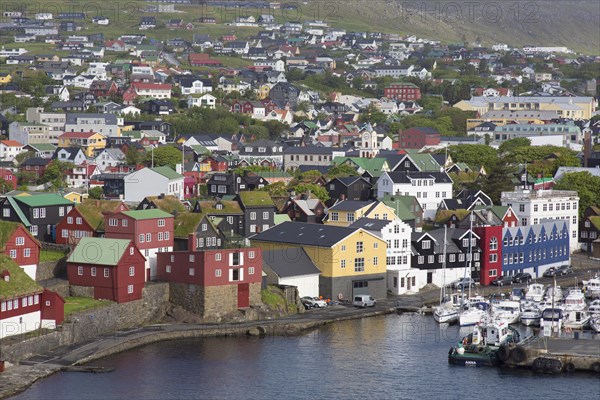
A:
364	300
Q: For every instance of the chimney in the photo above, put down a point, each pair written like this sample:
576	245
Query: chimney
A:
192	242
6	275
161	196
342	197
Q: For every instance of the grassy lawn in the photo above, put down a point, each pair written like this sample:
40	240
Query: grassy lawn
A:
51	255
78	304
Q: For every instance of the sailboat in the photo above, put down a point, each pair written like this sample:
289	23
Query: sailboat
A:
446	312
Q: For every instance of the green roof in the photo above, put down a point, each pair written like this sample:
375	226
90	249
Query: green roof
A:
595	220
373	165
425	162
167	203
186	223
198	148
401	206
167	172
443	216
281	218
99	251
275	174
132	134
500	211
310	124
19	283
256	198
229	207
18	210
43	146
44	200
147	214
6	230
92	210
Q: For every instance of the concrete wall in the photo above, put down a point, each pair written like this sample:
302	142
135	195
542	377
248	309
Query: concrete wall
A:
332	287
92	323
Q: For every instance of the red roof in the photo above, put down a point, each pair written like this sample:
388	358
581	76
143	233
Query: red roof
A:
84	135
143	85
11	143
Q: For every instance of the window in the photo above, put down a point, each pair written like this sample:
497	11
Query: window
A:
27	253
204	227
253	216
161	222
359	247
106	272
93	271
251	271
132	271
334	216
61	211
80	270
160	236
6	213
430	259
452	258
129	289
218	257
266	215
141	237
20	241
535	208
343	248
350	217
251	254
492	273
234	274
168	268
192	258
111	221
375	260
494	243
218	273
359	264
166	235
34	230
493	258
342	264
426	244
192	271
461	257
148	237
42	213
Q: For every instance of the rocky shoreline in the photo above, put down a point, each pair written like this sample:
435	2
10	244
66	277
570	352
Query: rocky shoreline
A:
17	378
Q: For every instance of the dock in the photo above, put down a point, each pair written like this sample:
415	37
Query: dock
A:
554	355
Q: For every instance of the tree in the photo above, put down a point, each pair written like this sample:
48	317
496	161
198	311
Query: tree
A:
276	189
96	192
510	145
164	156
24	156
341	170
474	155
317	190
260	132
586	186
5	186
358	82
497	181
133	156
372	115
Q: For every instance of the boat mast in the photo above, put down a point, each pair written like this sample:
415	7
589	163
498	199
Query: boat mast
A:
470	250
443	291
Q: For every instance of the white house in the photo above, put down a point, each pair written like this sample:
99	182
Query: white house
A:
397	235
430	188
205	100
533	206
153	182
109	158
292	266
198	86
9	149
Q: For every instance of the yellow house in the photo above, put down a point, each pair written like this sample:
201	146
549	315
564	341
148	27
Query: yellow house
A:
89	142
76	197
5	78
344	213
351	260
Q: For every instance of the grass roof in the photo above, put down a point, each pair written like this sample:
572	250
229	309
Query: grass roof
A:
19	283
444	215
168	203
6	231
229	207
92	211
186	223
256	198
147	214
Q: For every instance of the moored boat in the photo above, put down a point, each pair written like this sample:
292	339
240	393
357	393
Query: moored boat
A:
576	319
575	300
535	292
475	314
480	348
595	323
531	316
506	310
552	319
592	287
594	307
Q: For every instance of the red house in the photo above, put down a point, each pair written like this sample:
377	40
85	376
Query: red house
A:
230	278
104	88
190	187
403	91
20	246
418	137
202	59
150	230
25	305
86	220
114	268
491	252
9	177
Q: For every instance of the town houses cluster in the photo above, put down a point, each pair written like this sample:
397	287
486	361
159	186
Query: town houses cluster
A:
305	177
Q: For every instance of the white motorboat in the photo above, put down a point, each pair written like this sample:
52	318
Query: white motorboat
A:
552	320
592	287
575	300
506	310
594	307
535	292
576	319
595	322
475	314
555	294
531	316
445	313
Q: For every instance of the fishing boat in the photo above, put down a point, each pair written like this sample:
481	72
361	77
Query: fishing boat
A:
575	300
535	292
531	316
447	311
480	348
592	287
552	319
506	310
576	319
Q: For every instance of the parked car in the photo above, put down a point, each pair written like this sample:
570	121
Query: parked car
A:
522	277
463	283
550	272
503	280
364	300
308	303
316	302
565	269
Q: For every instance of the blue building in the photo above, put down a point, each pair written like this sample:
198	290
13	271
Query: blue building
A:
535	248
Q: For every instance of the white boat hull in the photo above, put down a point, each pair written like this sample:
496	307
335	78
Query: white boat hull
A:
472	317
530	321
445	318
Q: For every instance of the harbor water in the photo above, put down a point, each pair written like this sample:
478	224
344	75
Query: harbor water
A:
388	357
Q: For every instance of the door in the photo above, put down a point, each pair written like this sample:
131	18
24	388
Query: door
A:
430	277
360	287
408	283
243	295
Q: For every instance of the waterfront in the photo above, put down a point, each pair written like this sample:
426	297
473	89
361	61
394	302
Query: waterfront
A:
396	356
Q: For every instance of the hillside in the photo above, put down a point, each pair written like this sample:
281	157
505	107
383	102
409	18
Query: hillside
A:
518	22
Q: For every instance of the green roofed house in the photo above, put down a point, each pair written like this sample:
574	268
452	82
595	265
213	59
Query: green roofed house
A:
153	182
39	213
112	268
407	208
226	215
170	204
259	211
373	166
86	220
43	150
25	305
